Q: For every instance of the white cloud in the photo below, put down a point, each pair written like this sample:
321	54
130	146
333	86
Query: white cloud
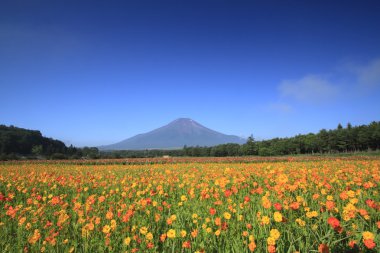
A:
311	88
369	75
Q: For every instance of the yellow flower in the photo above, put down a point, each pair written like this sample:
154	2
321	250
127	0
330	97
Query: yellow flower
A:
173	217
275	234
183	233
368	235
149	236
277	216
143	230
217	232
354	201
127	241
113	224
351	194
227	215
301	222
311	214
271	241
171	233
183	198
106	229
265	220
194	216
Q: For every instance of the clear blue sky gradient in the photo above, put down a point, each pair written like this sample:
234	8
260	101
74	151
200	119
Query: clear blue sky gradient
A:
94	73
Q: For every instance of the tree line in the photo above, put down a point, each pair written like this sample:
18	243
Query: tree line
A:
18	143
339	140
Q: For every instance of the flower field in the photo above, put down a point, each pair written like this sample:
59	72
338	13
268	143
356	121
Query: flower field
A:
323	205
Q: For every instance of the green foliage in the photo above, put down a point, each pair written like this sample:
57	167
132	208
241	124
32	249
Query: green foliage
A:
341	140
16	143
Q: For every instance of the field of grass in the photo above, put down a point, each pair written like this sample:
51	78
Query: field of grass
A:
275	205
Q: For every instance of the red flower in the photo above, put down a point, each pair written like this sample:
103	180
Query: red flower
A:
227	193
335	224
212	211
277	206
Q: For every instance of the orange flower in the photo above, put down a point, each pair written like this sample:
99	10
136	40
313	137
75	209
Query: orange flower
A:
35	237
323	248
11	212
252	246
369	243
194	233
352	244
271	249
186	245
162	237
55	200
218	221
294	205
330	205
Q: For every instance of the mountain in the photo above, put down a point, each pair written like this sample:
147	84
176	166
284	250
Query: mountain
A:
178	133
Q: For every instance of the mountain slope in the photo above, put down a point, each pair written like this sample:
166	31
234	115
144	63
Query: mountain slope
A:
180	132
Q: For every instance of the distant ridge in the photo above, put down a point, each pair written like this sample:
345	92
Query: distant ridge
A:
176	134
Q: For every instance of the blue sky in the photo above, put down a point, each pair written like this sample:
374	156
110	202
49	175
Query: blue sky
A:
94	73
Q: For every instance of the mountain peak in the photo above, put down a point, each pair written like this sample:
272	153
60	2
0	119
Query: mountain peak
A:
183	120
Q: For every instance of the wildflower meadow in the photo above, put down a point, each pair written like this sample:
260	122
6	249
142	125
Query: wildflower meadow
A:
305	205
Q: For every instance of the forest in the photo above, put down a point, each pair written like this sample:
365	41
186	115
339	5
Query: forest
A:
16	143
